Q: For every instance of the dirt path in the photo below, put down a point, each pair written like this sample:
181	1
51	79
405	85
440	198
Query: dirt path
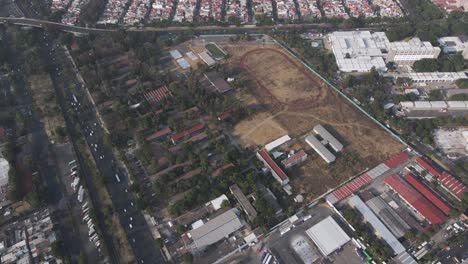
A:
327	121
270	118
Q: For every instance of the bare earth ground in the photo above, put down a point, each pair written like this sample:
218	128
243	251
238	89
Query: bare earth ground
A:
280	86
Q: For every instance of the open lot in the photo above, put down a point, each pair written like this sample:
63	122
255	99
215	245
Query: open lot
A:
293	100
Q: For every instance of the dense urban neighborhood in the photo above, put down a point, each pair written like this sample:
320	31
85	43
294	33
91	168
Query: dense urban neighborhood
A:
221	131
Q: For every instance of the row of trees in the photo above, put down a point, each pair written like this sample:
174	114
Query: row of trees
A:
445	63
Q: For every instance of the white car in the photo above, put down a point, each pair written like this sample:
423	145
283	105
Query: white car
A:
130	225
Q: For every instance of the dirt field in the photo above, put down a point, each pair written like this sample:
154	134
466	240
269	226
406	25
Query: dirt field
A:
286	80
290	85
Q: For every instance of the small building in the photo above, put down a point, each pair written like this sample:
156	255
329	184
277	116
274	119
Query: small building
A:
175	54
294	159
277	142
206	58
183	63
216	229
217	82
328	236
276	171
270	198
332	141
452	45
243	201
158	134
320	149
217	202
157	95
186	133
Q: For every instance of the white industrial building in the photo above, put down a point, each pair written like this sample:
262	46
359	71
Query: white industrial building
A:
320	149
407	52
332	141
359	51
433	105
216	229
452	45
434	77
277	142
328	236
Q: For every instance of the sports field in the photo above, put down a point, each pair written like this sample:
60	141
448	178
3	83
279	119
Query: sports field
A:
293	101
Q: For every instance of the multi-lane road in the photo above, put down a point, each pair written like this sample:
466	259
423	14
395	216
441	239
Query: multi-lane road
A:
80	112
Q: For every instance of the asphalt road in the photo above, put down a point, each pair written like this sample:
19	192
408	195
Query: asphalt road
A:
131	218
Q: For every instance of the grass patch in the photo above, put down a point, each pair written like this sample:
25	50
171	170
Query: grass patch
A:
215	51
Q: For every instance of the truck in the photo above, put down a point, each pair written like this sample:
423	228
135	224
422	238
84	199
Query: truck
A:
80	194
75	183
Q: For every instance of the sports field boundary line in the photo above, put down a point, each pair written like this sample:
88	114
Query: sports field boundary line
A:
340	93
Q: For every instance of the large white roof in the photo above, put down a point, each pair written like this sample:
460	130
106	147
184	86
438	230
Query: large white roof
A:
277	142
359	50
328	236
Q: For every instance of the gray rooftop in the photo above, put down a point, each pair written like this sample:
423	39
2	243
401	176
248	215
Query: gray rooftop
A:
380	229
334	143
328	235
320	148
390	218
243	201
216	229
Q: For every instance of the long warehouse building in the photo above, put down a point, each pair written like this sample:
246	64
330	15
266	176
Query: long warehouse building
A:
380	229
414	199
320	149
334	143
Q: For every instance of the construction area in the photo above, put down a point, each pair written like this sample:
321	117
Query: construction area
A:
290	99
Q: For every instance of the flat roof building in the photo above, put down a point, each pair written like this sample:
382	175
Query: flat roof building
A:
359	51
217	82
320	149
426	192
388	216
216	229
294	159
434	77
243	201
277	142
206	58
328	236
407	52
415	200
332	141
276	171
452	45
380	229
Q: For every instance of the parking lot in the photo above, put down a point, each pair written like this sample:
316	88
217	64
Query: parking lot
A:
281	245
64	155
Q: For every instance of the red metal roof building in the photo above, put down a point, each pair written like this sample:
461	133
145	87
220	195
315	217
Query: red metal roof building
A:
425	165
396	160
158	134
187	132
276	171
294	159
448	182
415	199
452	184
426	192
155	96
351	187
